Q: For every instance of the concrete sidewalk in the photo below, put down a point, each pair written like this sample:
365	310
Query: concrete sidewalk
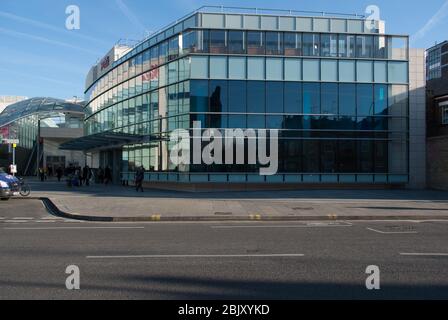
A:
117	203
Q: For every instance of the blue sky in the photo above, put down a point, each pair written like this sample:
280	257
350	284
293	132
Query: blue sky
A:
39	57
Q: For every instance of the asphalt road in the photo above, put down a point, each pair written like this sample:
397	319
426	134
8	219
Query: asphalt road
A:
218	260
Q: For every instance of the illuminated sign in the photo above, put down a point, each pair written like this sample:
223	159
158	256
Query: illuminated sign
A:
105	63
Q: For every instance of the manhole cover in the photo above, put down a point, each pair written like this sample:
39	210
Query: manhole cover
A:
300	208
223	213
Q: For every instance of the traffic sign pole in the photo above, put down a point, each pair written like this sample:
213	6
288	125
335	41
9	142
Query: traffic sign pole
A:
14	156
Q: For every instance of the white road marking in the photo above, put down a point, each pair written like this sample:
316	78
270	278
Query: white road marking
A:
425	254
73	228
16	221
285	226
199	256
392	232
23	218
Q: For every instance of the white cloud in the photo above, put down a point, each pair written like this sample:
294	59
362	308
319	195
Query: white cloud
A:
41	78
130	15
436	19
46	40
50	27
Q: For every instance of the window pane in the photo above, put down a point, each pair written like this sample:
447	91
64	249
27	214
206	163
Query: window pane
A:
237	121
329	70
381	156
364	100
199	96
398	72
274	43
365	156
237	96
329	45
274	97
347	71
311	98
237	68
293	97
236	42
311	70
380	49
218	96
256	121
199	67
347	99
351	46
364	71
398	48
274	69
293	69
292	156
255	68
255	42
311	44
311	156
218	41
381	92
342	45
173	48
293	44
256	97
364	46
218	67
163	52
347	156
329	98
274	122
328	156
380	71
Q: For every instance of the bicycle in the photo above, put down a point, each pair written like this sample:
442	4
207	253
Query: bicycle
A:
24	188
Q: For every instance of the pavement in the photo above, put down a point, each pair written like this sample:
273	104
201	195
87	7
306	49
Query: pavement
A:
119	203
218	260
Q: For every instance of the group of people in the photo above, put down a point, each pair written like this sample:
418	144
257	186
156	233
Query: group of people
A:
78	176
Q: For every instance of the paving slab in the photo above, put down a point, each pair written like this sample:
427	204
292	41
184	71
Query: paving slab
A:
123	203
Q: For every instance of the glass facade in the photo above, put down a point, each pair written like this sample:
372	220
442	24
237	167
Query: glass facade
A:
339	101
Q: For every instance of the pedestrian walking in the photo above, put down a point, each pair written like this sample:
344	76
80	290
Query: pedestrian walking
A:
100	175
86	175
107	176
139	178
42	174
59	172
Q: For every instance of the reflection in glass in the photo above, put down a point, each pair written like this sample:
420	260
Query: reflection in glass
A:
329	98
311	44
274	43
236	42
256	97
311	98
255	43
218	43
293	44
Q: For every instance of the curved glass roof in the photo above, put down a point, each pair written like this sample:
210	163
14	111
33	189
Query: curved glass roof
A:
40	106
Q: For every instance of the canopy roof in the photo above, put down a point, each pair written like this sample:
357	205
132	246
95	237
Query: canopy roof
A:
44	107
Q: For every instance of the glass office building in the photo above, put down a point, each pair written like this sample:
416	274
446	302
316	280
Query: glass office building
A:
336	88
